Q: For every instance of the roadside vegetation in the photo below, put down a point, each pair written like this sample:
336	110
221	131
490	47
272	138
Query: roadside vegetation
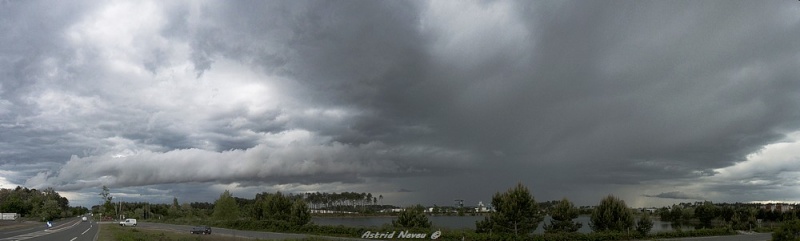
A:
515	214
39	205
789	231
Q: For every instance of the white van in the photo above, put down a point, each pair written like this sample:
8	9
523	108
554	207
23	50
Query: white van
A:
128	222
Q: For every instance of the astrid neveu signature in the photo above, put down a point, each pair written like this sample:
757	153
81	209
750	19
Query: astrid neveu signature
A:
401	234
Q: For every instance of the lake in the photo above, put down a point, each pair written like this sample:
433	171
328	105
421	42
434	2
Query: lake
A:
459	222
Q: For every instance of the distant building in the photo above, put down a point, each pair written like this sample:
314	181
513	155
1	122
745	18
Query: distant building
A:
483	208
392	210
327	211
778	207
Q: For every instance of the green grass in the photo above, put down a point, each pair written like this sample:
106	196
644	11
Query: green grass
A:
14	225
111	232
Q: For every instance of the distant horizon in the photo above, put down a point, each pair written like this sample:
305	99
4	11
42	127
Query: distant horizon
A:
484	202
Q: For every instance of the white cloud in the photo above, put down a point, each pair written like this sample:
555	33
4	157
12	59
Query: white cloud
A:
5	183
772	161
287	157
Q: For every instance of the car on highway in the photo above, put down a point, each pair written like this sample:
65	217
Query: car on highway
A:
84	219
201	230
128	222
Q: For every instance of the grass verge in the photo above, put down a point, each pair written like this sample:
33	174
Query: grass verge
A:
15	225
112	232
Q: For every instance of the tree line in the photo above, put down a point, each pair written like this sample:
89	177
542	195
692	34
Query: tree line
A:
517	215
345	201
44	204
740	216
264	206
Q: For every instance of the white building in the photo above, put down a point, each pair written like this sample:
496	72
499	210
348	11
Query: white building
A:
483	208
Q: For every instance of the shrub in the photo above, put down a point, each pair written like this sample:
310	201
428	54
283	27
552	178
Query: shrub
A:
412	217
788	231
644	225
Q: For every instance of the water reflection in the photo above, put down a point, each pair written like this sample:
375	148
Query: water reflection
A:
459	222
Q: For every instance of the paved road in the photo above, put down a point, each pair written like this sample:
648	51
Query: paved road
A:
22	229
67	230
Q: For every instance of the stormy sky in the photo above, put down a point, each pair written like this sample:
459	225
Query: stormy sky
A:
657	102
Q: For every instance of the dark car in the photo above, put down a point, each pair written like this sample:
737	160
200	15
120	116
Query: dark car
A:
201	230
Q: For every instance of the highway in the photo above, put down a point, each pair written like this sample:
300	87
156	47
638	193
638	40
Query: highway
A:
22	229
66	230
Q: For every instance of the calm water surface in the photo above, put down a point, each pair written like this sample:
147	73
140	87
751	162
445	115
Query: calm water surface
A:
456	222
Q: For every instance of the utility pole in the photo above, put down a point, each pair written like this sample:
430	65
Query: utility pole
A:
460	202
460	206
119	213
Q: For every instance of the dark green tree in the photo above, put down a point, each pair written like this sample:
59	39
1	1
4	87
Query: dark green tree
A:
108	207
516	211
225	207
12	204
706	213
645	224
789	231
611	215
300	213
563	213
275	206
744	218
49	210
726	213
174	210
676	214
412	217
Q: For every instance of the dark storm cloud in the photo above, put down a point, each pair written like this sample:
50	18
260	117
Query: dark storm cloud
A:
676	195
619	86
362	54
574	99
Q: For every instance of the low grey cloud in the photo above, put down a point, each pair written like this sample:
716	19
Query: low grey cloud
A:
676	195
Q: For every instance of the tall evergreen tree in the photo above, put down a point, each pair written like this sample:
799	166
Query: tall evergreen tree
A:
611	215
516	212
563	214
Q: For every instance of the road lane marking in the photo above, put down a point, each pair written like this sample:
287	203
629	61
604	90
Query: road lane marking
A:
87	230
73	239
